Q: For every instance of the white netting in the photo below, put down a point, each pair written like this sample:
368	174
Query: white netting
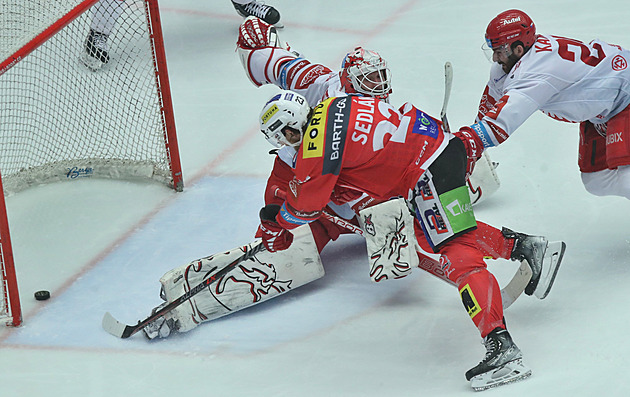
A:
61	121
20	21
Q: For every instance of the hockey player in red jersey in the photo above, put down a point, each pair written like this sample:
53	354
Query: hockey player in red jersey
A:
368	145
568	80
268	61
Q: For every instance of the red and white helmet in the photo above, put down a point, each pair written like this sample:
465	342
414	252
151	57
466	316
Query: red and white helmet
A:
357	75
511	26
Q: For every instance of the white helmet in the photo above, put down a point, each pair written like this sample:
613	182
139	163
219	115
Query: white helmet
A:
286	109
360	63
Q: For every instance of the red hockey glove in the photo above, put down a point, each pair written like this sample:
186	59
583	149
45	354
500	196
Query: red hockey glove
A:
341	195
256	33
474	147
275	237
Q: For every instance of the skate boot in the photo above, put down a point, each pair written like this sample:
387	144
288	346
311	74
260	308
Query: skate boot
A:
96	50
531	249
502	364
259	10
161	327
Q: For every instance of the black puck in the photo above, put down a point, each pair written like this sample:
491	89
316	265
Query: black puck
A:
42	295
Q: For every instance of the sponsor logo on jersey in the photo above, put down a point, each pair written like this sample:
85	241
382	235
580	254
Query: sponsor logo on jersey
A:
313	145
619	63
336	127
435	220
425	125
310	75
614	138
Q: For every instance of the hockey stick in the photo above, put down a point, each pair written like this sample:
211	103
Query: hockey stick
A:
448	84
509	293
120	330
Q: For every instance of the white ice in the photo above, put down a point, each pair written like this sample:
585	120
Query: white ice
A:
103	245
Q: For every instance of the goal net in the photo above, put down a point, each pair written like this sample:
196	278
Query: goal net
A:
68	114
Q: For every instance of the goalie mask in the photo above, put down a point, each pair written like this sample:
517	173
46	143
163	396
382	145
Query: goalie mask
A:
283	119
366	72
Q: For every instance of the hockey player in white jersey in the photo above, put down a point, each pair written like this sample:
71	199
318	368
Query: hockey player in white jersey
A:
568	80
267	60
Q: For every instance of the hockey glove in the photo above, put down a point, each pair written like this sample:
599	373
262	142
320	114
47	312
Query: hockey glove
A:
474	147
275	237
256	33
341	195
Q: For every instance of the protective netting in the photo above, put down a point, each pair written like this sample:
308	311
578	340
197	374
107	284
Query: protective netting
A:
62	121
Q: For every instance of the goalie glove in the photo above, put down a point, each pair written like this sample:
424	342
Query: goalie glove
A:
474	147
256	33
275	237
341	195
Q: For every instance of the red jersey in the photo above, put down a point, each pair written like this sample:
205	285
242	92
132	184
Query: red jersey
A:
361	143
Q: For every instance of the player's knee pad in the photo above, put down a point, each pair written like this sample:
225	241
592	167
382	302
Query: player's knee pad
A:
390	239
264	276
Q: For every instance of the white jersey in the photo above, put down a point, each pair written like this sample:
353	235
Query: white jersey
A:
564	78
274	65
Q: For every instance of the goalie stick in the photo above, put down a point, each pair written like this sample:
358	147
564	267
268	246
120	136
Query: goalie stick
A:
509	293
120	330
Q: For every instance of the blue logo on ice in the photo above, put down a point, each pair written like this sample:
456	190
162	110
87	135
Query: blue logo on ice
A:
79	172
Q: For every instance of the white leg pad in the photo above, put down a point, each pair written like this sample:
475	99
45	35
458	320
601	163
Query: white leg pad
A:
265	276
390	239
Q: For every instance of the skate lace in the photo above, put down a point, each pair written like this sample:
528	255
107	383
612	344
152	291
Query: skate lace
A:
257	9
492	346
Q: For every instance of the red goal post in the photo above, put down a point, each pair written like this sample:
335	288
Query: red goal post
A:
60	121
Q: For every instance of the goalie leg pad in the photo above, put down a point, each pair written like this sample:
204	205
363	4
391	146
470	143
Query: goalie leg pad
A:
263	277
390	239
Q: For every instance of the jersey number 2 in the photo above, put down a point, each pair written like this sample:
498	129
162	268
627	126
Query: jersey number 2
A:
566	50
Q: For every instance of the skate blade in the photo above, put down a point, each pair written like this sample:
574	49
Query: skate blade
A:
511	372
551	264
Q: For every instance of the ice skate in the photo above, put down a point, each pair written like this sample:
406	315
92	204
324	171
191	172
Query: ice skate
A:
502	364
161	327
267	13
96	51
531	249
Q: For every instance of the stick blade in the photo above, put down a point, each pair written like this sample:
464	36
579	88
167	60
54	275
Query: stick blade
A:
115	327
517	285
